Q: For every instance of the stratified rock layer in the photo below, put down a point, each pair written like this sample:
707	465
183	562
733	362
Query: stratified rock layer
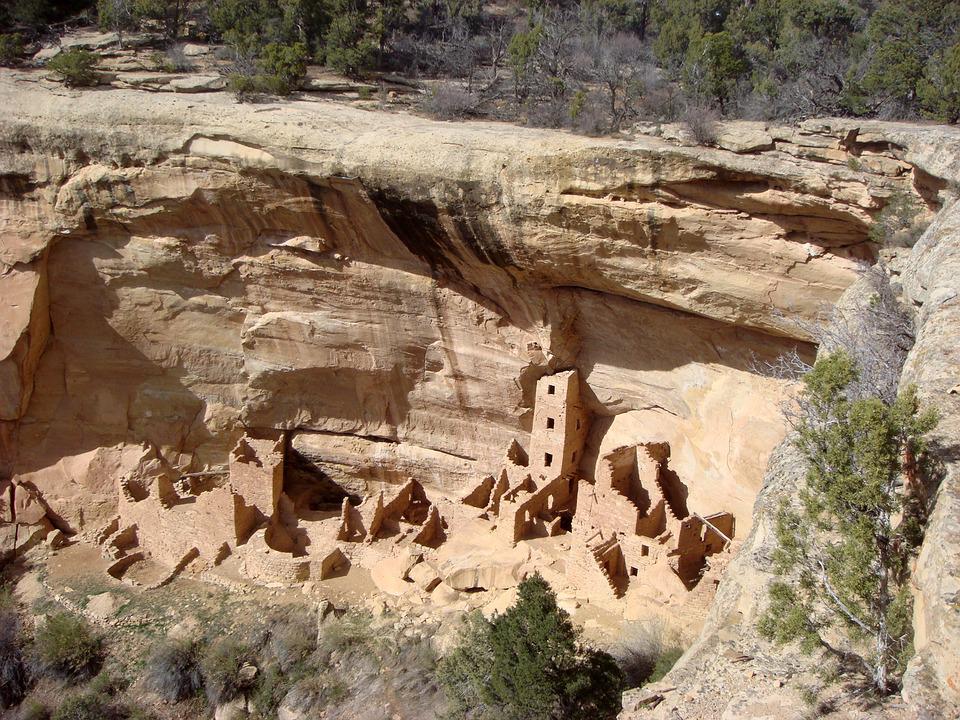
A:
389	289
390	286
731	672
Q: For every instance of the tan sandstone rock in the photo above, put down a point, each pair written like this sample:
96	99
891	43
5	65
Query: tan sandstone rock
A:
177	270
932	681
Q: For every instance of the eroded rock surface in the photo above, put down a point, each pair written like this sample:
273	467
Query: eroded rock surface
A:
388	289
730	668
931	281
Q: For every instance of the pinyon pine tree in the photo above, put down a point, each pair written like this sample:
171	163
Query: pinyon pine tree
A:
844	553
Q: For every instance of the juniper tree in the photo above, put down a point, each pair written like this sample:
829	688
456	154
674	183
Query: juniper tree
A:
117	15
528	664
844	553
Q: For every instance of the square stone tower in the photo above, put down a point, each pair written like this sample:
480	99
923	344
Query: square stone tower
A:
256	470
559	426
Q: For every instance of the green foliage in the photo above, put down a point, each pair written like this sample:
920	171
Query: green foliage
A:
577	103
279	71
900	40
109	682
388	15
613	16
892	58
117	15
11	49
799	51
293	671
130	15
243	24
528	664
32	15
464	672
648	655
85	706
520	53
714	65
284	67
665	662
897	224
782	58
348	46
843	554
76	67
220	667
68	648
939	89
787	620
680	23
248	25
272	686
822	18
168	15
100	700
244	87
314	689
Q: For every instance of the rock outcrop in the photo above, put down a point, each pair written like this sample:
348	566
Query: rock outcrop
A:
931	281
730	672
177	270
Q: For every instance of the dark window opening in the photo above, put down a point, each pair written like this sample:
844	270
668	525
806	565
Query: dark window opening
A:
547	459
644	551
573	458
551	389
578	423
634	572
550	423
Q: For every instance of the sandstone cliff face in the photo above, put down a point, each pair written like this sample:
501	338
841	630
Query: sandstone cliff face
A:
931	282
730	672
389	288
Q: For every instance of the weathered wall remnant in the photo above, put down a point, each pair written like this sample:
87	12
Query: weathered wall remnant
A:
256	471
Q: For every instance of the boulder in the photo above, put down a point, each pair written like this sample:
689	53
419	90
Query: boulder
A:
424	576
195	49
198	83
389	575
484	569
236	709
27	506
744	137
104	606
247	674
501	603
443	595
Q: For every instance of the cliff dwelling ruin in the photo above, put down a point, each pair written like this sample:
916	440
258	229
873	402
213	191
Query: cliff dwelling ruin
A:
626	531
302	353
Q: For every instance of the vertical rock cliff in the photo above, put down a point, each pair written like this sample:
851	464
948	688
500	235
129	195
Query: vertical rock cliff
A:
388	290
